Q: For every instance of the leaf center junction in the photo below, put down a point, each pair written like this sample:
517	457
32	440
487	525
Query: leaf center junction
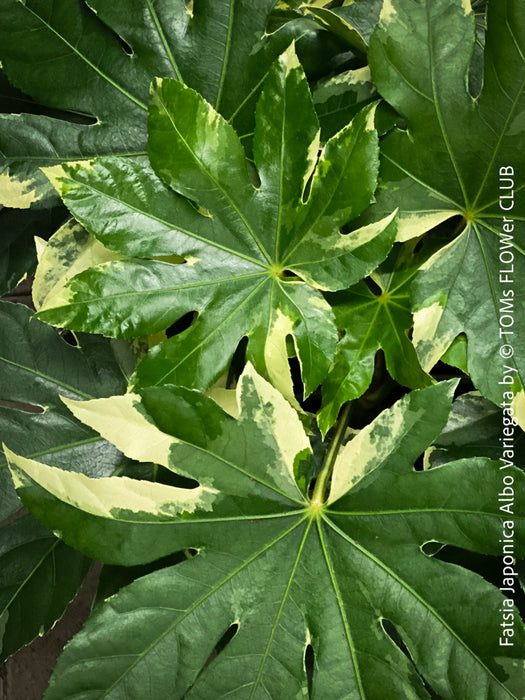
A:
276	271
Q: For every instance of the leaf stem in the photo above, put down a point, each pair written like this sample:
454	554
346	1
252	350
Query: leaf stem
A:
318	496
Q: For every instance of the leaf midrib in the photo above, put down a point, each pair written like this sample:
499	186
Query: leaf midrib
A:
342	611
140	293
162	36
47	378
281	609
216	183
171	225
439	195
58	448
412	511
194	521
392	574
438	107
484	225
95	68
349	153
20	586
201	600
226	57
498	145
281	180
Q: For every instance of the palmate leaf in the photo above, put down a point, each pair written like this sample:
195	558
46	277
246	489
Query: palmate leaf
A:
372	322
449	162
241	249
39	575
283	572
53	49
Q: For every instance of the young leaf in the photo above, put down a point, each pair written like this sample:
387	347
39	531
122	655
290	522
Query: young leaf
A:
285	573
458	156
371	322
238	256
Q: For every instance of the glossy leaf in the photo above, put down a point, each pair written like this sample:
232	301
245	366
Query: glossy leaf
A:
458	156
239	247
282	572
53	49
372	322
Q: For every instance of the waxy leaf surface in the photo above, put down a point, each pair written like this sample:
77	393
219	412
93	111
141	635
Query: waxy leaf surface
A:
458	156
282	573
239	247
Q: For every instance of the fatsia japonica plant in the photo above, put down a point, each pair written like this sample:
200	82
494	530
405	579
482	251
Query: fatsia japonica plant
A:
273	375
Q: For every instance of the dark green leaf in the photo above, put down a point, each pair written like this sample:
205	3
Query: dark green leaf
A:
39	576
17	246
474	428
344	577
36	368
457	157
53	49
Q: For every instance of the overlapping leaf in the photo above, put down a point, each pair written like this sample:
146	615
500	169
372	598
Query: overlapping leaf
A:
283	573
474	428
354	21
372	322
457	157
338	98
39	575
36	367
242	243
97	59
17	250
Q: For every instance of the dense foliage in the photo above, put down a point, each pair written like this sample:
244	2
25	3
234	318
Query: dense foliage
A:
274	242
